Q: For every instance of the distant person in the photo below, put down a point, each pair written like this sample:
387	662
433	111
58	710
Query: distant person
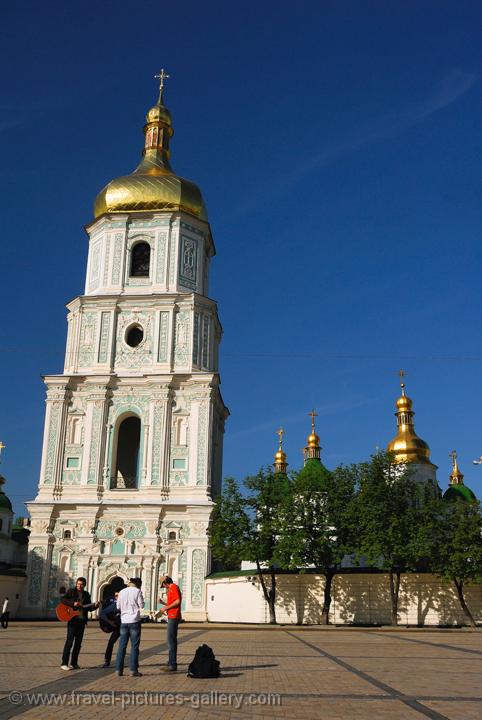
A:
109	620
5	614
130	602
79	599
173	609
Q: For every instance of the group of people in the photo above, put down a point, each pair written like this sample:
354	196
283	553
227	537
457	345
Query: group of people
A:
121	616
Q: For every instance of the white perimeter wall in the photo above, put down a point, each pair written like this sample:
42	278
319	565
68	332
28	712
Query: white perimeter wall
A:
357	598
11	586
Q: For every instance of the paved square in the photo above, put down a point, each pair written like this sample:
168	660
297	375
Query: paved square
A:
267	672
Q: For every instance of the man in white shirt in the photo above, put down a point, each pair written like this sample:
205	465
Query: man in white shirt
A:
130	603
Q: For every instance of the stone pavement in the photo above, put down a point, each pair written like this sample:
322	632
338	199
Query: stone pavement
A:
283	672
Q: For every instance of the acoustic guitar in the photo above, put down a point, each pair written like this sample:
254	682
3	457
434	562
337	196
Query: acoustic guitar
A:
65	612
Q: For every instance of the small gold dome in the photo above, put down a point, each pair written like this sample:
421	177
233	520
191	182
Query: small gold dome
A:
159	113
280	463
404	403
456	476
313	440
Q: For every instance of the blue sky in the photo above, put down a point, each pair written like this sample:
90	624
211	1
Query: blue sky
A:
337	145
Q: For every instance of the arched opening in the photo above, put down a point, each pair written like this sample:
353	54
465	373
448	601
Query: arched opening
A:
127	453
140	260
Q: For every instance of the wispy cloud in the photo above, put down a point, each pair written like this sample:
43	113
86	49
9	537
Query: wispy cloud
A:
449	89
323	410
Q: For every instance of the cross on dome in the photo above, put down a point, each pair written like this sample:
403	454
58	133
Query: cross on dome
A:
313	414
161	76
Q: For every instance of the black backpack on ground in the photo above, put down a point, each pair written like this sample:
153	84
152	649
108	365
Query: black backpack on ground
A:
204	664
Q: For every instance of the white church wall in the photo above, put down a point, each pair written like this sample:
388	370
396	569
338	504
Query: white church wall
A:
357	598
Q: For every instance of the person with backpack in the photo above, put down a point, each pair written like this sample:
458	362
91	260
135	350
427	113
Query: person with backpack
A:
172	606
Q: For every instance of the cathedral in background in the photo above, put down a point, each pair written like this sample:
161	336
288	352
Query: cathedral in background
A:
132	449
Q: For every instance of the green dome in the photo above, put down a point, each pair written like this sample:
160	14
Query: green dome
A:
314	467
459	492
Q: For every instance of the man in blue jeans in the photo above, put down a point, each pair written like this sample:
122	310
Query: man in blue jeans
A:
130	603
172	607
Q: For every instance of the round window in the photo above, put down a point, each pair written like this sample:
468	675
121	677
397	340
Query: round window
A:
134	335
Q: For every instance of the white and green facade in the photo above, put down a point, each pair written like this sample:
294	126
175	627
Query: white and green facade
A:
132	449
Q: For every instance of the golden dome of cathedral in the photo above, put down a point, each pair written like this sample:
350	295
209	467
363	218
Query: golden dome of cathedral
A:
280	463
152	185
406	446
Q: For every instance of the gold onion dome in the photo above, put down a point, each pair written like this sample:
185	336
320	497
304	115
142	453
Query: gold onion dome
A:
152	185
312	450
313	440
456	477
280	463
406	446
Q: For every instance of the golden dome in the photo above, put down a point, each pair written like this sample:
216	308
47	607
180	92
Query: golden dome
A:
456	477
280	463
159	113
406	446
312	450
152	185
313	440
279	456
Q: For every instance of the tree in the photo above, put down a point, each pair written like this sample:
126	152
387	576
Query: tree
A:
317	526
391	516
456	546
247	527
230	526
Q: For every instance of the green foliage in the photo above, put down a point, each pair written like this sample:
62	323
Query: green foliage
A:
267	492
316	526
245	527
231	527
390	514
456	539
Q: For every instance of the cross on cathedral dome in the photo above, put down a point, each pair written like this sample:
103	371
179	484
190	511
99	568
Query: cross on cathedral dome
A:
152	185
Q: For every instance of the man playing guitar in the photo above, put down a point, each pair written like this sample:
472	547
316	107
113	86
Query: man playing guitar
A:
78	599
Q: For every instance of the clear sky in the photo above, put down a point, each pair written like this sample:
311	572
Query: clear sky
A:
337	145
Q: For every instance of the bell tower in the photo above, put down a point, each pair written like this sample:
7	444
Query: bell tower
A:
132	451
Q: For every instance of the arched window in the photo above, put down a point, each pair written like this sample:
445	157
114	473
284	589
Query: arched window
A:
67	534
140	260
127	453
173	535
